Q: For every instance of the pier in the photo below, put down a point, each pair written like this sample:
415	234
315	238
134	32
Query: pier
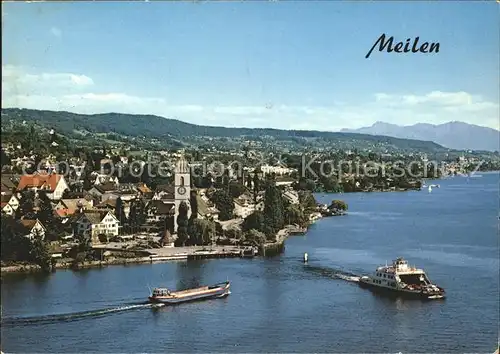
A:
200	252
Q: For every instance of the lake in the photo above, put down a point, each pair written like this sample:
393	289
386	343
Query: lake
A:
282	305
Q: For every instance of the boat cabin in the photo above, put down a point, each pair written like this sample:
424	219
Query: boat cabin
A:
161	292
400	264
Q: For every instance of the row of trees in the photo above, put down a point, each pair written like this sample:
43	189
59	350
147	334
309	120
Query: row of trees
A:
18	248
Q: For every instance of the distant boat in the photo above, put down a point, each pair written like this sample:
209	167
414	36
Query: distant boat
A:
165	296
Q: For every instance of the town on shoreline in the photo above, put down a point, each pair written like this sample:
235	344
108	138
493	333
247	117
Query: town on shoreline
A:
78	207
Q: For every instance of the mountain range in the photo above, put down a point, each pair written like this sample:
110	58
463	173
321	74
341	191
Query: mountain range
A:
453	135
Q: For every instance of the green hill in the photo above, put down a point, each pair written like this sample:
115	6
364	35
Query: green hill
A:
155	127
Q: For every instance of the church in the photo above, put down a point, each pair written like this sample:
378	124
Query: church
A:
167	199
182	188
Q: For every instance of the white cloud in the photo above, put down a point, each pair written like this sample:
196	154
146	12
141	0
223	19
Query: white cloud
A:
434	97
64	91
20	81
56	31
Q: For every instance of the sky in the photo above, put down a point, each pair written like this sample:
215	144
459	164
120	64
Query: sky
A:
288	65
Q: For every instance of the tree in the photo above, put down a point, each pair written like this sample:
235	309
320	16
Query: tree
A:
4	160
233	233
273	210
253	238
103	238
331	184
248	181
305	184
294	214
83	249
137	214
236	189
62	168
224	203
169	223
39	253
207	180
15	247
182	225
225	179
338	205
202	232
193	201
253	221
46	216
87	171
307	201
120	211
26	204
256	186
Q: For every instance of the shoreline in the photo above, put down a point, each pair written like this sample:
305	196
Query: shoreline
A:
152	258
183	254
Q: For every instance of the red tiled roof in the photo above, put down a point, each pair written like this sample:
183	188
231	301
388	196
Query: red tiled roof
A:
28	223
45	181
65	212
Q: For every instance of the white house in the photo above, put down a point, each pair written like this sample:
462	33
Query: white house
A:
10	203
33	228
7	209
104	179
278	170
92	224
53	183
243	209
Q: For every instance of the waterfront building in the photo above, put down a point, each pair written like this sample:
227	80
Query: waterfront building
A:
92	224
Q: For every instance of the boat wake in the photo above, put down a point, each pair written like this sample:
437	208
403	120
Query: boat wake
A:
334	273
348	277
69	317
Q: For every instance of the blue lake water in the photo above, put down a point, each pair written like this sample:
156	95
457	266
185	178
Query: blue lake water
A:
281	305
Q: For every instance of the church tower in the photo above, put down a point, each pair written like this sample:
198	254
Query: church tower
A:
182	183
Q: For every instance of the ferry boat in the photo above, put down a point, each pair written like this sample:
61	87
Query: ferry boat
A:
165	296
401	278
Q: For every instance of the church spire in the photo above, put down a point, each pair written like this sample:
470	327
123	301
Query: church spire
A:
182	165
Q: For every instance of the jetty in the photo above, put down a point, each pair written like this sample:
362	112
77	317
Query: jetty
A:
200	252
296	230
